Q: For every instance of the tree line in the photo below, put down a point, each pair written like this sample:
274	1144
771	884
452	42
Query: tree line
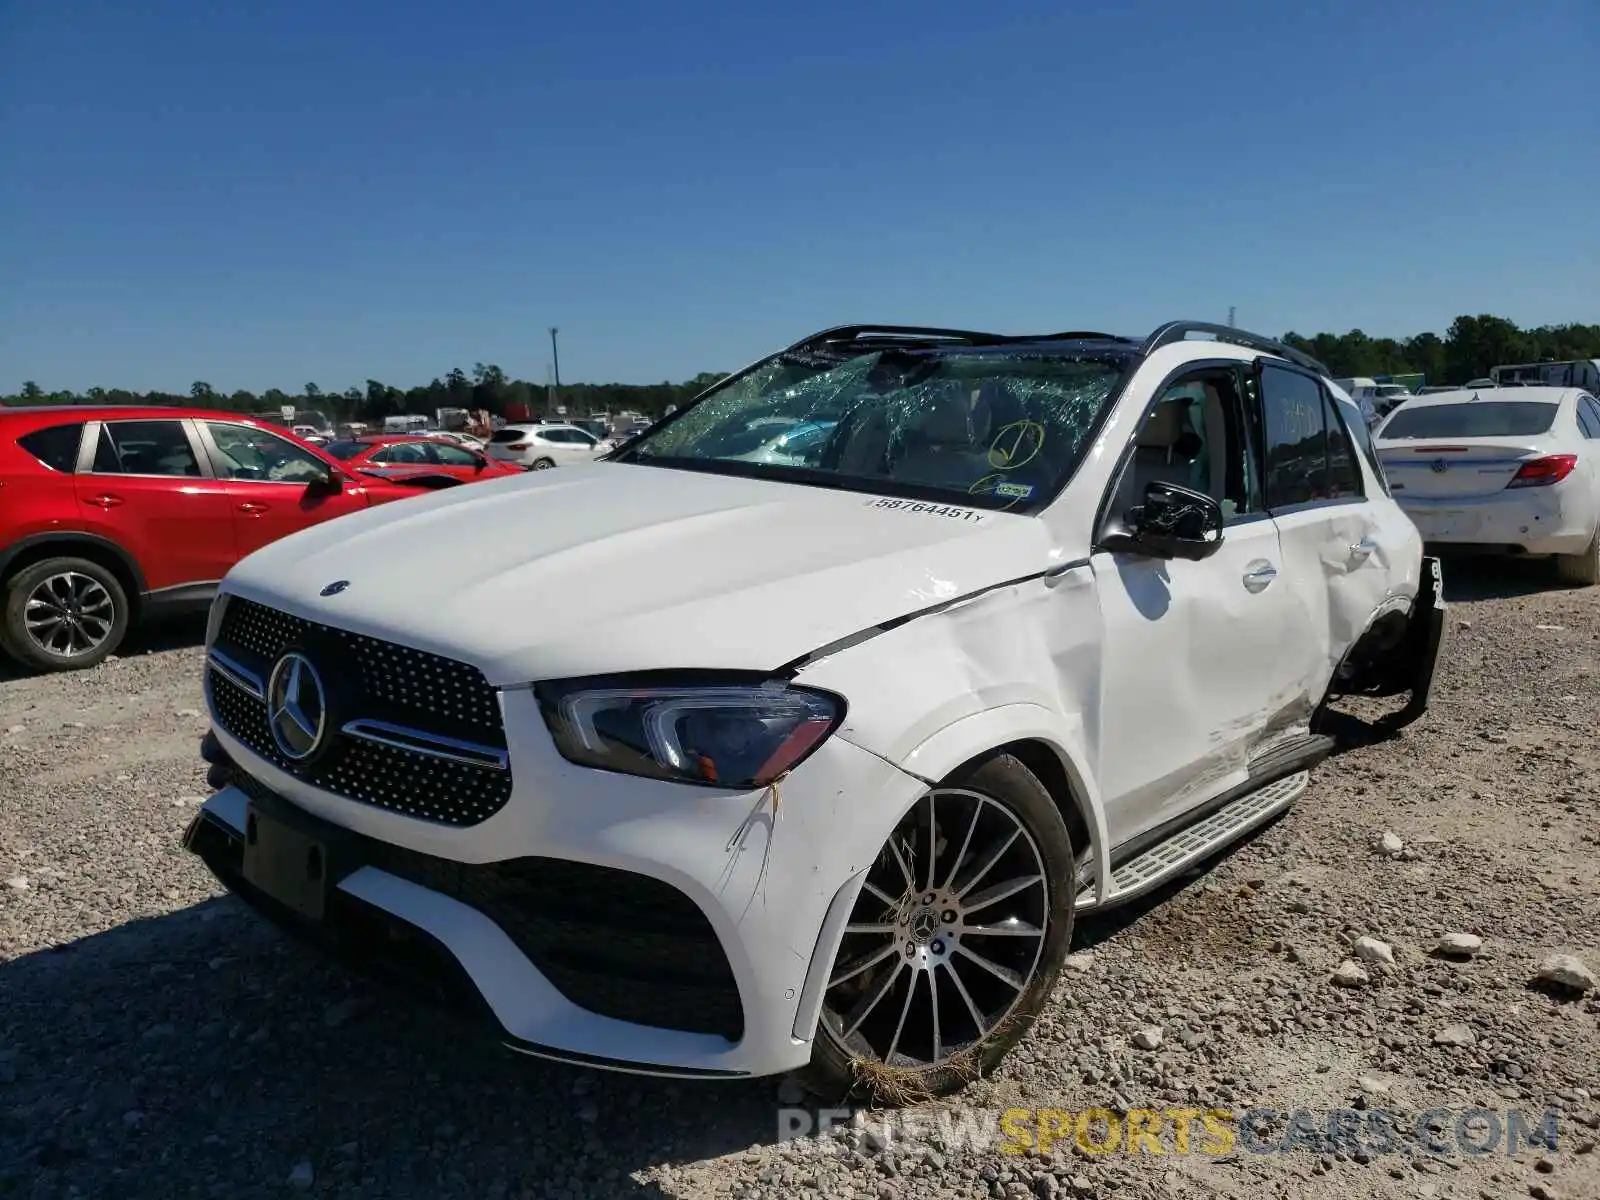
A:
485	387
1468	349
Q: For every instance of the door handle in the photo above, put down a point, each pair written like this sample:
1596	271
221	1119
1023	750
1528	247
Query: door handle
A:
1259	576
251	507
105	500
1363	548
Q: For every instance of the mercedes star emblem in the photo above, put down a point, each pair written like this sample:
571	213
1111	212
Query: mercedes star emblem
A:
334	588
297	708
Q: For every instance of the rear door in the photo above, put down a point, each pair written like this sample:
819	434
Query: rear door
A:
1337	544
568	446
37	491
148	486
456	462
266	479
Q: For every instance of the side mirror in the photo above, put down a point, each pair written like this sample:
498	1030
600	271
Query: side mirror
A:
1173	522
328	484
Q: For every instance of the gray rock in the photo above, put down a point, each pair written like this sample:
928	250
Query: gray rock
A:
1455	1035
1459	945
1370	949
1349	974
1388	844
1148	1039
302	1177
1567	972
1080	962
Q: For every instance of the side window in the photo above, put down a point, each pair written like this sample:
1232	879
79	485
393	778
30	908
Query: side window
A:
1194	436
1307	445
1344	477
55	446
452	456
256	456
401	452
145	448
1589	416
1361	434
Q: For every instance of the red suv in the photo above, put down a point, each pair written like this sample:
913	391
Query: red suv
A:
108	514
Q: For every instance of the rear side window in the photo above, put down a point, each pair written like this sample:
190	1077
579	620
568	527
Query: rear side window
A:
1473	418
144	448
1589	416
1344	477
55	446
508	435
1309	458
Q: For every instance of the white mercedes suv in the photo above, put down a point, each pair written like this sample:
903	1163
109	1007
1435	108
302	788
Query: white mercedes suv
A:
692	764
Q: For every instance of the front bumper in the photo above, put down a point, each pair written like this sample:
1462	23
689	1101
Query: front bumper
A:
755	888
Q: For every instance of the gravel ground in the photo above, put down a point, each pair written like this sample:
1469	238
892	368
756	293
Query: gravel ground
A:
157	1041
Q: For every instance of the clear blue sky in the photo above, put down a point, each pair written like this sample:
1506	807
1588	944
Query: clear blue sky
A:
263	192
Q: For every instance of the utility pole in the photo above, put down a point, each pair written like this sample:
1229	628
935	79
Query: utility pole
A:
1230	317
555	358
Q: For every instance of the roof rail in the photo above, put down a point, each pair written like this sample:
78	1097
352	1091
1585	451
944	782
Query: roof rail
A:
1179	331
965	337
849	333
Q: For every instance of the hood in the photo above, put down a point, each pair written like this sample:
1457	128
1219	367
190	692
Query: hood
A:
608	567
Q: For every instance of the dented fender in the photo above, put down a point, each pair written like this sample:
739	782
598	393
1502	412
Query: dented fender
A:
1019	662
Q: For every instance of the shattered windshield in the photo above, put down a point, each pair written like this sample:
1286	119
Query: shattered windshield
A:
991	427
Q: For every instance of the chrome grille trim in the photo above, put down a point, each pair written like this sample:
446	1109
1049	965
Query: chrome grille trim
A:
237	674
435	745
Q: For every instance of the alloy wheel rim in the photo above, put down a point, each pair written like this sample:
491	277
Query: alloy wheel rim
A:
68	614
946	936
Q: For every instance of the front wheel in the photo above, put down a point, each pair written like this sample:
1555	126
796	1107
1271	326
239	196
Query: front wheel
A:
542	464
954	943
63	614
1583	568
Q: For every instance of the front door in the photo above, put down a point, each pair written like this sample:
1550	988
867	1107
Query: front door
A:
266	477
149	489
1201	658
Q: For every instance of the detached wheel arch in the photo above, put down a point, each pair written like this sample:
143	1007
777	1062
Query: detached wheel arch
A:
955	942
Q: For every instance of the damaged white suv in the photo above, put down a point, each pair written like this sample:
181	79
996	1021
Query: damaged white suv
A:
696	763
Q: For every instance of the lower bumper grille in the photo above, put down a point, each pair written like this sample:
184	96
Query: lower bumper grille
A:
616	943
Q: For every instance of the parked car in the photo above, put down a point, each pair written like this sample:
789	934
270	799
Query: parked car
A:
1505	470
399	456
539	447
814	766
459	438
112	514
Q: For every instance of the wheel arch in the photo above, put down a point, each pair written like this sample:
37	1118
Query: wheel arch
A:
95	549
1048	744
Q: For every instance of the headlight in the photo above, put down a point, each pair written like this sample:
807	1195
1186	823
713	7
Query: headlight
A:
736	736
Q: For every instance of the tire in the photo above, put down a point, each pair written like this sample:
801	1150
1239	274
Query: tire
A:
542	464
1583	568
72	587
892	1054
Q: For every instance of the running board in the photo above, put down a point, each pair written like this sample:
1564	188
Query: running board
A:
1196	842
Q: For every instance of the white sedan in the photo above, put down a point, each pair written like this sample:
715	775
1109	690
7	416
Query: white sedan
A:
1513	470
540	447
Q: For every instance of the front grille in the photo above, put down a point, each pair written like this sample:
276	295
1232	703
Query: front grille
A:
419	691
442	689
616	943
